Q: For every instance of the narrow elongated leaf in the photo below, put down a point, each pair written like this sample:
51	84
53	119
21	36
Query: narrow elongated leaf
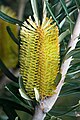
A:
21	83
8	49
69	94
23	94
75	72
9	19
51	117
75	61
64	19
77	3
58	78
71	109
71	91
22	90
62	23
50	11
55	118
63	35
14	105
17	97
67	49
16	118
66	11
73	52
14	91
35	10
37	96
7	72
10	112
12	35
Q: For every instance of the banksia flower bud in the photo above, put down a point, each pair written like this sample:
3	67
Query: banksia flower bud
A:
8	49
39	56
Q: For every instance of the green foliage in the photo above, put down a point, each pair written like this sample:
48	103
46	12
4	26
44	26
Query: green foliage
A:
7	72
67	106
12	35
7	18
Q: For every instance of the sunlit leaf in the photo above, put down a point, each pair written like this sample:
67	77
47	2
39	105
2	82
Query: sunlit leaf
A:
23	94
37	96
22	89
63	35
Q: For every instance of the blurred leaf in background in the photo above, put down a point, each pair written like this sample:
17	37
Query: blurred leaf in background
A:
67	107
8	48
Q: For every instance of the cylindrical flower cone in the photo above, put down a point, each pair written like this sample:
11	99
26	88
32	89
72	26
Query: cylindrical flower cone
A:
39	57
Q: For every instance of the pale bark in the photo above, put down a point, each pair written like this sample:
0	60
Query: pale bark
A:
46	104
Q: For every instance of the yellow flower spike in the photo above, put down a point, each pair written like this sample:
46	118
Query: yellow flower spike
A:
8	49
39	57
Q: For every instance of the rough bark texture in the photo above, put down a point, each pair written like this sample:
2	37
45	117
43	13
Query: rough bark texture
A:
46	104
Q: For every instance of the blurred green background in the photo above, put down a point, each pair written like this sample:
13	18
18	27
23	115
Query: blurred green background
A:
64	13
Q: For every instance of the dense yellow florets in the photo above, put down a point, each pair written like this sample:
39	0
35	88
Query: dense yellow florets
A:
39	57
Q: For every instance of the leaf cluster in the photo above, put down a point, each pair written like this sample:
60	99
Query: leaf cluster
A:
67	106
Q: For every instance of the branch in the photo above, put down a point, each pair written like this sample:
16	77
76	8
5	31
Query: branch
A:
46	104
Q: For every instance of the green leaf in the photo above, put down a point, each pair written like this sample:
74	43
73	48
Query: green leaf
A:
21	83
64	19
22	89
7	72
75	61
62	23
37	96
71	109
10	112
7	18
77	3
11	92
71	26
72	91
66	51
66	11
24	115
12	35
35	10
55	118
50	11
72	73
72	52
23	94
15	105
16	96
3	117
16	118
51	117
63	35
58	78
